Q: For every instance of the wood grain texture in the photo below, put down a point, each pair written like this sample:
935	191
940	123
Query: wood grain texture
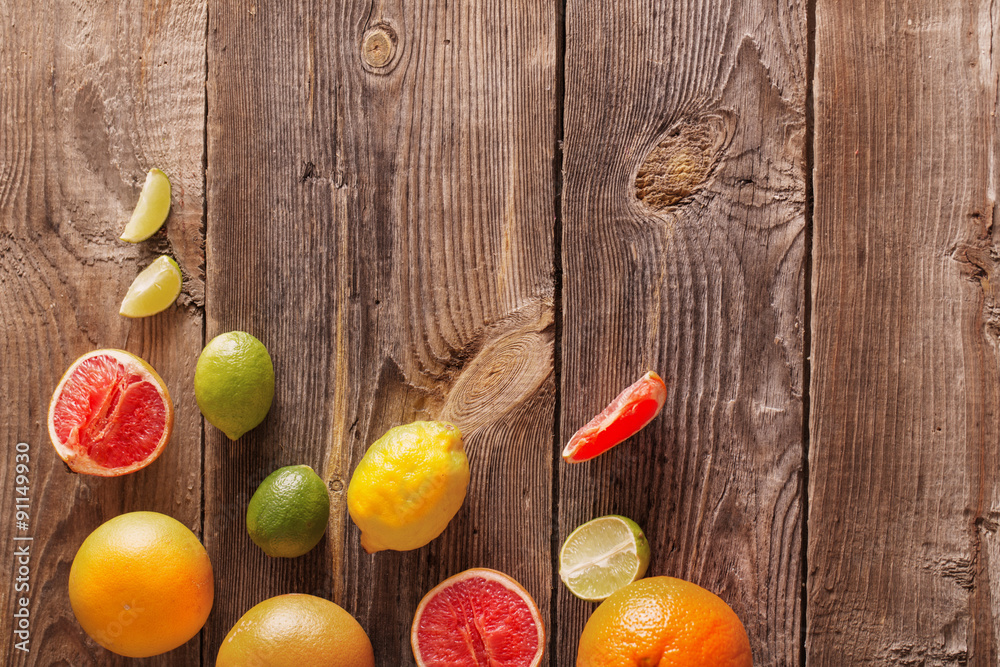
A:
683	251
386	227
92	96
903	486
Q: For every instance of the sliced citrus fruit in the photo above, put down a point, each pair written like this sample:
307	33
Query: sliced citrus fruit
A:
141	584
288	512
477	617
110	415
624	417
296	630
154	289
603	555
152	209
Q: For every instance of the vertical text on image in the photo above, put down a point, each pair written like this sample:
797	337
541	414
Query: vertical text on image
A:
22	546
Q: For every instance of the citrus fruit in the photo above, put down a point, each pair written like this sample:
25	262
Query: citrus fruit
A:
288	512
603	555
477	617
408	486
624	417
234	382
110	414
153	290
141	584
296	630
152	209
665	622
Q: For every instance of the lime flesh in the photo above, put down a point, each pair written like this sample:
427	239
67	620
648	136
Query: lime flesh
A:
152	209
602	556
154	289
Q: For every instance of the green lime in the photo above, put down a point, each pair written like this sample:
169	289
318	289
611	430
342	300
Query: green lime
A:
154	289
288	512
603	555
152	209
234	382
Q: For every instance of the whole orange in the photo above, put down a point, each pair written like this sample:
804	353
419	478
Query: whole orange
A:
664	622
141	584
296	630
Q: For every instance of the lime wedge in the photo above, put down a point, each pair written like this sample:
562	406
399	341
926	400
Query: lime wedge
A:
602	556
152	209
154	289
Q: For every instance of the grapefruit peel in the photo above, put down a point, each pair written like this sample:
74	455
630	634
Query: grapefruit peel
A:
625	416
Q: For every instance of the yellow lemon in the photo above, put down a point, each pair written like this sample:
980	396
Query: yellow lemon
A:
410	483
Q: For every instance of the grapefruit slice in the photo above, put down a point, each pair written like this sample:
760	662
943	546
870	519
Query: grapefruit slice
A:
110	414
624	417
479	617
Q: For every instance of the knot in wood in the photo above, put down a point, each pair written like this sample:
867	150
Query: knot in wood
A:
506	373
680	163
378	47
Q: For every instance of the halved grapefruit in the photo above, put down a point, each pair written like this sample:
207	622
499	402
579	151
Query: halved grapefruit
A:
624	417
478	617
110	415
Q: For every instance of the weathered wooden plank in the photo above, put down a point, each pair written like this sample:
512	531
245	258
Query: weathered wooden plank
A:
903	484
92	95
683	251
381	215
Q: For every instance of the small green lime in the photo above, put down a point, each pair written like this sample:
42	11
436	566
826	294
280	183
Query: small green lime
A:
288	512
602	556
151	210
234	382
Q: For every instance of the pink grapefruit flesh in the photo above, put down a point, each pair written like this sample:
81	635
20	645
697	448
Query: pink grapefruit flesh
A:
624	417
477	618
110	415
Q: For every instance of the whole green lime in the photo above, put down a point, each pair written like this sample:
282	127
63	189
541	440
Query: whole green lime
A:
234	382
288	512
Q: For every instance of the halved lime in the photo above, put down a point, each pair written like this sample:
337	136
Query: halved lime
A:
154	289
152	209
602	556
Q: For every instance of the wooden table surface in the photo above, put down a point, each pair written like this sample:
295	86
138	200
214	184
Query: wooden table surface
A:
502	213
